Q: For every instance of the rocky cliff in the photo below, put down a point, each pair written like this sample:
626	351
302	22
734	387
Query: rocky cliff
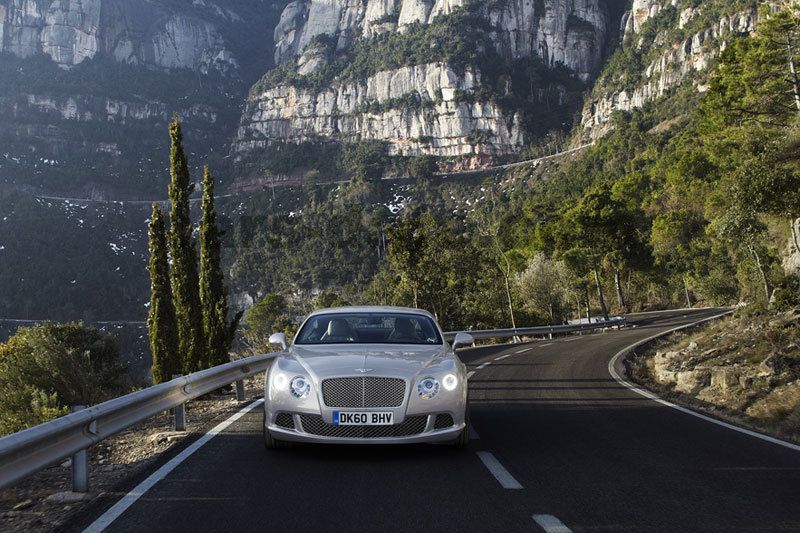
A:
668	44
89	85
441	77
133	31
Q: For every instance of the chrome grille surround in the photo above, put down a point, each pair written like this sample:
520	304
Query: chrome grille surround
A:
366	391
315	425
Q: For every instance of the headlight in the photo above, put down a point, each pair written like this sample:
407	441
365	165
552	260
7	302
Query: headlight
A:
428	388
300	387
450	382
279	381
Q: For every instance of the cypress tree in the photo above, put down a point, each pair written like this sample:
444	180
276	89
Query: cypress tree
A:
185	282
213	294
161	315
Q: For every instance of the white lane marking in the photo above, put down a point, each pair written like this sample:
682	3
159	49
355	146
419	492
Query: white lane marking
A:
647	394
484	365
572	339
503	357
129	499
470	374
473	435
548	344
551	524
526	350
500	473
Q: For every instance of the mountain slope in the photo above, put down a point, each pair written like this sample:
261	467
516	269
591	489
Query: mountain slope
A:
87	87
445	77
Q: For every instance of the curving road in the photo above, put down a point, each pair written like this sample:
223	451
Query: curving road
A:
558	445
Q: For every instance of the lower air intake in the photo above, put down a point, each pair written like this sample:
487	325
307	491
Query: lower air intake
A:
315	425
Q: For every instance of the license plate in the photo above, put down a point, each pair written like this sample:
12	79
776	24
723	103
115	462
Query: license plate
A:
370	418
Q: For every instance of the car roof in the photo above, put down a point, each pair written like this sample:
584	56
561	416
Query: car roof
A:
371	309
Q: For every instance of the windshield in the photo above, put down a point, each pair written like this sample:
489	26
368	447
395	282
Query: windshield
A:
369	328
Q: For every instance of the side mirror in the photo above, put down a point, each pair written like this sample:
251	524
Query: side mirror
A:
462	339
278	338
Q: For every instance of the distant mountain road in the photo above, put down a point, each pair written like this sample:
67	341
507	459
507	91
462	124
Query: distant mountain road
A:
558	445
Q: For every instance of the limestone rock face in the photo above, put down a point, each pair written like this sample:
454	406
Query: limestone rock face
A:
432	120
569	32
440	121
677	63
133	31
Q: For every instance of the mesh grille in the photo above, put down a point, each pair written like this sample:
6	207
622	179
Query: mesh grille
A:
363	392
284	420
412	425
443	421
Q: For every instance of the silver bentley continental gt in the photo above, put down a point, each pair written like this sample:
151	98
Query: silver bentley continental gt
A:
367	375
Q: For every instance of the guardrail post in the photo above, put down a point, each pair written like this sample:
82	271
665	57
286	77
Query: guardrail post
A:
240	390
179	413
80	463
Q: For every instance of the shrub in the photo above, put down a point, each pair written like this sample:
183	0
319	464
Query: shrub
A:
46	368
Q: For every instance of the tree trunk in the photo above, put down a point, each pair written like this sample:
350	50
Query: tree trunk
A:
793	75
796	234
764	280
623	307
628	287
510	302
588	305
686	291
602	300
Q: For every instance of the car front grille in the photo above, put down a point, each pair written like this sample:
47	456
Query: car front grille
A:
363	392
315	425
443	421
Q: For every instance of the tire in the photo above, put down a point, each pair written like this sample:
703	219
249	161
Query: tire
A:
463	438
272	443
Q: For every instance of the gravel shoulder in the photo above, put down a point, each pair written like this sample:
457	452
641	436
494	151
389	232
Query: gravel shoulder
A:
43	502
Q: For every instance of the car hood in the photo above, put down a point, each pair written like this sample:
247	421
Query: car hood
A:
404	361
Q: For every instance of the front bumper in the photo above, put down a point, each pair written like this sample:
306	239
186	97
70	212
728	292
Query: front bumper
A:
428	435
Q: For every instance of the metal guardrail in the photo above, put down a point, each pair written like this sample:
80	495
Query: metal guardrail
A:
31	450
539	330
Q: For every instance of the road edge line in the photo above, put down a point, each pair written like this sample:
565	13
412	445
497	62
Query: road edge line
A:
620	355
116	510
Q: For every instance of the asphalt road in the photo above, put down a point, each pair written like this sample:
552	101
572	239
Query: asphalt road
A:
583	451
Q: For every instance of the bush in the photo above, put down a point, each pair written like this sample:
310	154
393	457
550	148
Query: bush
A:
267	316
787	295
46	368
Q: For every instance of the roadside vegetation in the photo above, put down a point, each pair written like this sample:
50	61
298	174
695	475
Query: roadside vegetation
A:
45	369
745	369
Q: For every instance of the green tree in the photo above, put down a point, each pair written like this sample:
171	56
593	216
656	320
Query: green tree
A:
545	288
46	368
185	282
406	253
422	167
161	314
219	333
366	160
329	299
267	316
